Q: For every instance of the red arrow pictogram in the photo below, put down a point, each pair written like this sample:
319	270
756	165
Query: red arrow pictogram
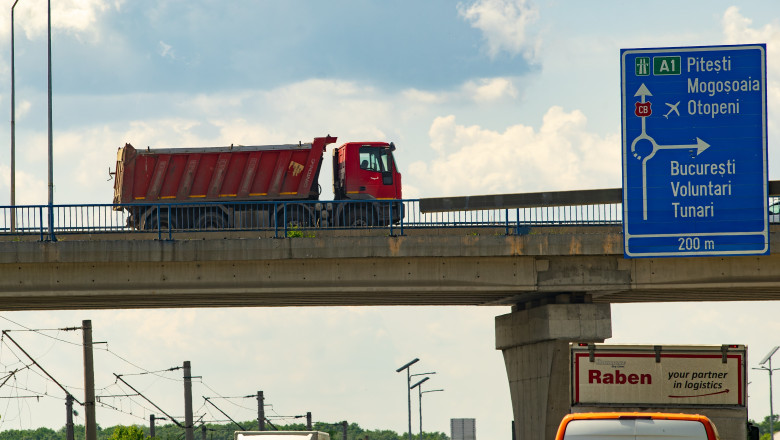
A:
700	395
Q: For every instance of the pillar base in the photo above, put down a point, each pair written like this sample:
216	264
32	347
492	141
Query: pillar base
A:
535	343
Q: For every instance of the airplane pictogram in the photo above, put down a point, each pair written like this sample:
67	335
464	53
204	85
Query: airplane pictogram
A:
672	108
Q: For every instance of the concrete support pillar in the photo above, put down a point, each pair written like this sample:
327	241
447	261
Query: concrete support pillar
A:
535	343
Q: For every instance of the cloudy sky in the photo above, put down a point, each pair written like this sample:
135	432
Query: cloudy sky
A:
480	96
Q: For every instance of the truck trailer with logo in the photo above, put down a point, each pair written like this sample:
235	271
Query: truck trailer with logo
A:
709	380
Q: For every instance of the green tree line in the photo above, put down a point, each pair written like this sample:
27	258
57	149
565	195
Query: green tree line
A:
763	427
213	432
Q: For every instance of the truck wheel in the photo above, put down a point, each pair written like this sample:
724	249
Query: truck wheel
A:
211	220
151	222
361	217
296	218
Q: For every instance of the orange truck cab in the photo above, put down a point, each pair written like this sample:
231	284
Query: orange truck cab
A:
636	426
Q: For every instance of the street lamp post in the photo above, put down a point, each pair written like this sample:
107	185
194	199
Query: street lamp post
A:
417	384
51	138
408	390
768	358
13	125
420	392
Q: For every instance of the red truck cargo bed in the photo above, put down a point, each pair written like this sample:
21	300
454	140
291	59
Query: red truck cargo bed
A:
269	172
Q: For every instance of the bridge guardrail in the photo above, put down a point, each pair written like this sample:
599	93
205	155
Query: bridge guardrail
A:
292	219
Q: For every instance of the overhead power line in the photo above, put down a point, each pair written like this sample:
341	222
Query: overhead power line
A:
10	375
151	372
223	412
5	334
152	403
41	331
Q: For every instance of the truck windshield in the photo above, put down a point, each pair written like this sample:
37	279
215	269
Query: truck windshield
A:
376	159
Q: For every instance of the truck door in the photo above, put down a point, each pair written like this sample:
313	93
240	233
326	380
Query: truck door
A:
376	171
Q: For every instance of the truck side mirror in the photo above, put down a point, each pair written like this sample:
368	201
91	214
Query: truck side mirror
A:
392	146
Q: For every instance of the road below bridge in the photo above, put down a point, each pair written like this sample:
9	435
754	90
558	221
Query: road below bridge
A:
445	267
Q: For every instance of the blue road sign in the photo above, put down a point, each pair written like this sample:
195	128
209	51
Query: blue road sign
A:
694	151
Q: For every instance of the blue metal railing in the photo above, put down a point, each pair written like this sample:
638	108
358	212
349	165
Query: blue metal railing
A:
290	219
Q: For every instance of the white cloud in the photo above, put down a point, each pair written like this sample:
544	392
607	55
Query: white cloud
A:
78	16
561	155
166	50
481	90
30	189
504	24
490	89
421	96
737	30
23	108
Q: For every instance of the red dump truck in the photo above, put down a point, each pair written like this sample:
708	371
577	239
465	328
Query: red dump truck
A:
365	177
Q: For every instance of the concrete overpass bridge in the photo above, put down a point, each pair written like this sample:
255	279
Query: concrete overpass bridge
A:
458	267
559	280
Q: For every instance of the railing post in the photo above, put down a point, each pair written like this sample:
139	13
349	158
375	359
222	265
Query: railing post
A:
156	209
403	215
170	221
40	214
275	219
391	217
52	235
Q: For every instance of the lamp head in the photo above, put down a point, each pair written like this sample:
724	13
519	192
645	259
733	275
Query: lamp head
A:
768	356
419	383
407	365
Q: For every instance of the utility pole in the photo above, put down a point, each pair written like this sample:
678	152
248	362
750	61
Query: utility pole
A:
70	435
189	434
308	420
90	425
203	431
344	430
260	411
151	425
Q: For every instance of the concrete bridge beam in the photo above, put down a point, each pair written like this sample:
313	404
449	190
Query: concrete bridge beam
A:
535	344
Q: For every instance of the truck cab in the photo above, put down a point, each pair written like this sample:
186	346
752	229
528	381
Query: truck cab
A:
366	172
